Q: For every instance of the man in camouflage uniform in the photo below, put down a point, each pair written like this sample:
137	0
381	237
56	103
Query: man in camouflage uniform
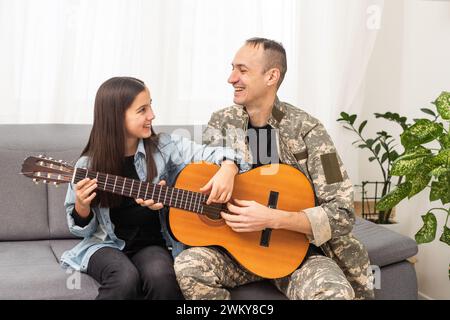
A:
337	265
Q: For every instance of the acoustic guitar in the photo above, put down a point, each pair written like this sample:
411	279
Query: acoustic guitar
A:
268	253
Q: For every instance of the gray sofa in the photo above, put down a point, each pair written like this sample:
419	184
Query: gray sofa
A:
34	233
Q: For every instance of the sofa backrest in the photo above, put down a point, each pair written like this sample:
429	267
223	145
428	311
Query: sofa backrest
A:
34	212
29	211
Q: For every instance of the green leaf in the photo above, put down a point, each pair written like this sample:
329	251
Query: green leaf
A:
344	117
442	158
436	190
393	117
372	158
370	142
377	149
361	126
428	111
444	141
443	105
410	161
428	232
421	132
385	146
401	167
440	190
384	157
383	134
393	156
437	172
352	119
414	152
445	237
419	182
362	146
420	177
394	197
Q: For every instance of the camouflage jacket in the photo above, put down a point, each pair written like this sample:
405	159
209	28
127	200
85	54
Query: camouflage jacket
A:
304	144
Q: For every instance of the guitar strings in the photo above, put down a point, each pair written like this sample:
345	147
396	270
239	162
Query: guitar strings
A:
184	201
163	192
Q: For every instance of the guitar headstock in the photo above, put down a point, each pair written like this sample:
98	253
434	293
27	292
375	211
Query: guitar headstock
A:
47	170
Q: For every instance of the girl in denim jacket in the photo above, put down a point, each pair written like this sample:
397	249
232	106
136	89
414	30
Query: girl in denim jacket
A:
126	245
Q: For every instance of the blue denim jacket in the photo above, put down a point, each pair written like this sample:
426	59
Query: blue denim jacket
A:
174	153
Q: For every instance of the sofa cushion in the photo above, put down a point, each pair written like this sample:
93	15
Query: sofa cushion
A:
384	246
40	214
30	270
28	212
59	246
397	282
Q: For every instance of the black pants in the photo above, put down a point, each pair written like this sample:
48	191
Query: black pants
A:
147	274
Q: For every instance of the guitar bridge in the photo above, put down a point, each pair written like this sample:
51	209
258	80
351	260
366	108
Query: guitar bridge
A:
266	233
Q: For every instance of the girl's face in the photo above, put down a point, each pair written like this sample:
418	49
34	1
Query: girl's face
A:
139	116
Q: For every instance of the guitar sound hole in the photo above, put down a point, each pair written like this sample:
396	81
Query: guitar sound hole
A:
212	211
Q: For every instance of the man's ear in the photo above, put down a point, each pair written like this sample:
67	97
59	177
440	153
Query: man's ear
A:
274	76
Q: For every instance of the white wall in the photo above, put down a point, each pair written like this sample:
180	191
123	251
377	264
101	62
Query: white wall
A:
409	68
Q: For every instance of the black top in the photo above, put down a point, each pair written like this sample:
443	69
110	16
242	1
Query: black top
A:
265	152
138	226
260	143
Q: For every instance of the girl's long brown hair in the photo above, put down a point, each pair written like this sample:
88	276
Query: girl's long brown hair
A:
106	145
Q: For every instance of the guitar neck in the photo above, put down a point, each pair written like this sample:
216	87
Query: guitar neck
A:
168	196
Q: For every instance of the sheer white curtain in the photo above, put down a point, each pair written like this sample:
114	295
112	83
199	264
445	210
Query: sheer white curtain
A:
56	53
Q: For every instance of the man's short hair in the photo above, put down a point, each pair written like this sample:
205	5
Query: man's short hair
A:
274	53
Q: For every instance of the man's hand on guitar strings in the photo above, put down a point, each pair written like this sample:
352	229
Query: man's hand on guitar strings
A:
248	216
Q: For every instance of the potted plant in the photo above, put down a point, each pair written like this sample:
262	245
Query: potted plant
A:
382	150
425	163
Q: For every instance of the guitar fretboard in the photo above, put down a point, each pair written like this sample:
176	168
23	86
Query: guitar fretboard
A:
173	197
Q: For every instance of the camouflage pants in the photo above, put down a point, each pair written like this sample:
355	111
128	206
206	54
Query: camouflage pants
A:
207	273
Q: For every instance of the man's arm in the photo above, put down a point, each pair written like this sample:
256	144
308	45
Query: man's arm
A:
331	218
334	215
248	216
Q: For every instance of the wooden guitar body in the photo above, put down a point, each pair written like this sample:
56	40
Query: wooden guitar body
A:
285	250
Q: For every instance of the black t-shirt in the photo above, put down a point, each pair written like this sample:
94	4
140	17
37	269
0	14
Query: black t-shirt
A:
138	226
260	142
263	146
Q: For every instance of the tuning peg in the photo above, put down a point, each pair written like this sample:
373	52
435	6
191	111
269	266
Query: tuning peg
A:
45	181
